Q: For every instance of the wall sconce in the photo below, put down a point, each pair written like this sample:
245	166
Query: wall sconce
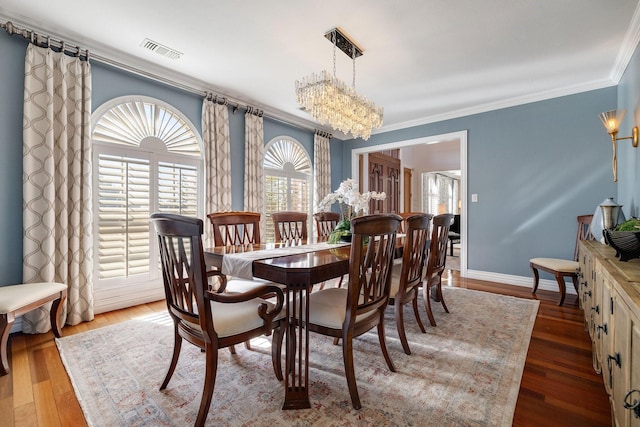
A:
611	121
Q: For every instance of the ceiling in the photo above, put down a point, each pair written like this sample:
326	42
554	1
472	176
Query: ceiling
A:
423	60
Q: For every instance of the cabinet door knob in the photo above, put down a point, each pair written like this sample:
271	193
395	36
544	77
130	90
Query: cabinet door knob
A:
602	328
635	403
616	359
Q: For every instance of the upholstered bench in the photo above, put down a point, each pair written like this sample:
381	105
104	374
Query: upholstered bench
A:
16	300
560	268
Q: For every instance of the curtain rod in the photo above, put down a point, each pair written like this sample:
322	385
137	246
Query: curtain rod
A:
43	40
323	133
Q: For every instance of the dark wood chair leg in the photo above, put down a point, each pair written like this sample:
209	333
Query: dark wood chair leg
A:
177	345
383	345
426	291
5	327
440	295
276	351
211	368
350	373
417	314
400	325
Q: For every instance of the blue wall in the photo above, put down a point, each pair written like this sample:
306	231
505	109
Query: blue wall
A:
535	167
629	157
12	52
107	83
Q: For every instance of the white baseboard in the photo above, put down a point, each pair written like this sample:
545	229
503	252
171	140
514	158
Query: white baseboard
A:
116	299
111	300
525	281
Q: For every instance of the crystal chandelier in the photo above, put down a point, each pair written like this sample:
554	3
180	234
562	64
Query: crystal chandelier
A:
330	101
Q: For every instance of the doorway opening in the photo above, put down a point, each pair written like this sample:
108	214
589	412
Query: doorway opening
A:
436	152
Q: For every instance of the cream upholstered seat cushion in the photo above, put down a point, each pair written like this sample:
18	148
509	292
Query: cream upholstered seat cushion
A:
235	284
560	265
236	318
328	308
14	297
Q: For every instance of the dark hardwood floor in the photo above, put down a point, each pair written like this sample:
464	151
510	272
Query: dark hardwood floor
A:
559	386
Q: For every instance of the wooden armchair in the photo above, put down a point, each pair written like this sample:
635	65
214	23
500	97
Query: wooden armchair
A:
348	313
203	318
290	226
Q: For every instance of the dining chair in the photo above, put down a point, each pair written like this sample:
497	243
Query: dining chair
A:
206	319
235	228
436	261
407	277
326	222
561	268
405	216
289	226
348	312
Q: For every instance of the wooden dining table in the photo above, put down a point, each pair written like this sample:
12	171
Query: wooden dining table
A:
298	272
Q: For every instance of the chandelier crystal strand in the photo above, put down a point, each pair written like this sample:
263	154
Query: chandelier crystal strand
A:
331	101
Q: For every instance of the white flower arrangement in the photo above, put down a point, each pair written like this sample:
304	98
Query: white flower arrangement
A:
352	202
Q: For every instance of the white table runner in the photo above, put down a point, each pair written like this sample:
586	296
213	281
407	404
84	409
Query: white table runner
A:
240	264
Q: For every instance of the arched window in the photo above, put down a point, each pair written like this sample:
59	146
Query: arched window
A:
146	158
288	180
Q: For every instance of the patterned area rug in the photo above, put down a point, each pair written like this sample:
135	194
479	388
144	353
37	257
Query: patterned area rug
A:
464	372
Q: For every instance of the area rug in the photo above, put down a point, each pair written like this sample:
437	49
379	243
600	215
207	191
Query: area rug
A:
464	372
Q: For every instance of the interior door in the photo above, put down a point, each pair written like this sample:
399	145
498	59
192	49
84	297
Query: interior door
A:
407	190
384	175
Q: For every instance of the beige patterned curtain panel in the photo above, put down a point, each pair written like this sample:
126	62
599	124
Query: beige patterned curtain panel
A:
321	169
217	151
58	241
254	167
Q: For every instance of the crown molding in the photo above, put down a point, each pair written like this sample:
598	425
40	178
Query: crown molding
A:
492	106
628	47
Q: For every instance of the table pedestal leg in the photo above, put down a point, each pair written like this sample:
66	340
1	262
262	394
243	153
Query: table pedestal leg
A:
296	395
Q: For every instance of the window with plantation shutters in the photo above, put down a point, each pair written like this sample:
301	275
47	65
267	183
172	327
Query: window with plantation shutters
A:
147	159
123	216
288	180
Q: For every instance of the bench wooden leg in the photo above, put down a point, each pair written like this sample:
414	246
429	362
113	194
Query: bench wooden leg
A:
5	327
563	287
536	278
54	314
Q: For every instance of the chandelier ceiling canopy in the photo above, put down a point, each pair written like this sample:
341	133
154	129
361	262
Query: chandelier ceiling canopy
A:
331	101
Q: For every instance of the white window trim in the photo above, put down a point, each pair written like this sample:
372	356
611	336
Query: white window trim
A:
113	294
293	175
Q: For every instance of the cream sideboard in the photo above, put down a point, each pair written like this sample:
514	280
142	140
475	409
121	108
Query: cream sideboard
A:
609	292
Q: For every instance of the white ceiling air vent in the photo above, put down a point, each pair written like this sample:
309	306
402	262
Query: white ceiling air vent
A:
161	49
